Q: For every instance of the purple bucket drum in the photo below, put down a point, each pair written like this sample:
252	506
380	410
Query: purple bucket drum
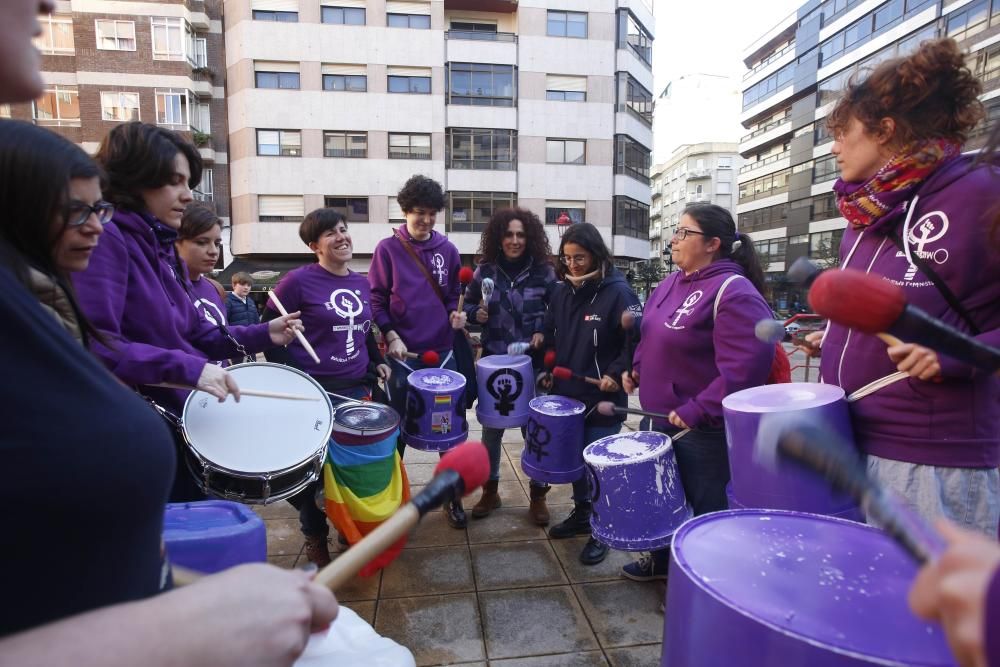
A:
786	487
435	410
506	385
766	587
638	499
553	440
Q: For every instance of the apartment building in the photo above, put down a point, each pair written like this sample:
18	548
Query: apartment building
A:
704	172
544	104
105	62
794	75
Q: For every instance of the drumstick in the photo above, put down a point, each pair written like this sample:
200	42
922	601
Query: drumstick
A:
563	373
607	408
243	392
465	276
428	358
298	334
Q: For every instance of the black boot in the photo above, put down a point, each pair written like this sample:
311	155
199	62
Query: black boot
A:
577	523
455	514
593	552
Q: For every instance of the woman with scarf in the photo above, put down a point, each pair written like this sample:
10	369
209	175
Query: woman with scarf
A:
137	292
515	256
918	214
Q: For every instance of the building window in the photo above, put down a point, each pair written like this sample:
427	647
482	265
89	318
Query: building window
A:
633	35
575	211
414	85
415	21
631	158
824	207
631	218
471	211
115	35
724	162
559	88
119	107
566	151
58	106
283	80
874	24
355	209
825	246
57	35
172	107
765	88
396	214
480	31
345	144
352	83
343	15
206	188
287	143
168	38
201	117
763	218
972	19
825	169
770	251
280	208
279	17
765	186
409	146
567	24
633	98
469	148
722	188
480	84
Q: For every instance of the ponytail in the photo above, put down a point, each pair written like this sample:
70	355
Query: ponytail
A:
744	254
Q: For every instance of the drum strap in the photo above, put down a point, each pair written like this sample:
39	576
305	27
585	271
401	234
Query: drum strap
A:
420	265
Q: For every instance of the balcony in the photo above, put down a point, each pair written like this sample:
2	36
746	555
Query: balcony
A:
771	159
501	6
479	36
770	59
695	174
699	196
761	130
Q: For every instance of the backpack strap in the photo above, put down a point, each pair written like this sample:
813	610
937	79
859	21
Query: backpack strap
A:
718	295
420	265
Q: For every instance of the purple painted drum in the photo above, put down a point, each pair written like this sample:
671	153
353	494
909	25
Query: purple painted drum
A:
766	587
435	410
758	485
553	442
506	384
638	499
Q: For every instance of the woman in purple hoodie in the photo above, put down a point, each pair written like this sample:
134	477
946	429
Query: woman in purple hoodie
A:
415	288
919	214
136	291
698	346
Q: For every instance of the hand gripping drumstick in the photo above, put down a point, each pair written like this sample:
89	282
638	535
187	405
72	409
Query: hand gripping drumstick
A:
563	373
459	472
428	358
465	276
298	334
609	409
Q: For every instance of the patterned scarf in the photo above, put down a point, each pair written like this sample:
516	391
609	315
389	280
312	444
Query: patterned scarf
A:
865	203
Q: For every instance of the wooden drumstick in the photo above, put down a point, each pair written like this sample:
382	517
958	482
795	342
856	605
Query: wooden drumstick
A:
298	334
243	392
563	373
465	276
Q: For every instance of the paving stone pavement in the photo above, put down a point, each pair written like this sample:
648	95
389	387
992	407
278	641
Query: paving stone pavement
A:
499	593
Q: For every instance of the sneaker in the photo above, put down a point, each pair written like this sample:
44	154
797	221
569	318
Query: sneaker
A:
648	568
577	523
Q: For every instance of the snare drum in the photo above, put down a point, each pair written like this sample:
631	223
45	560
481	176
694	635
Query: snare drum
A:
638	499
259	450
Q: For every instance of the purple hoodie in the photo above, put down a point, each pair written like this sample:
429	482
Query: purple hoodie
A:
688	358
403	301
131	294
955	422
337	315
207	301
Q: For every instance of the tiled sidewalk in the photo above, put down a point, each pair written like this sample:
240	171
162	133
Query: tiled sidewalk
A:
499	593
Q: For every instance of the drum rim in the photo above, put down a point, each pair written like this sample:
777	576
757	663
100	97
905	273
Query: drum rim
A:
735	401
577	409
363	432
309	464
324	396
437	390
638	459
695	522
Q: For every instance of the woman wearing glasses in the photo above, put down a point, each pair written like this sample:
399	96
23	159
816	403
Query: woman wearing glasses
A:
199	244
136	291
698	346
584	324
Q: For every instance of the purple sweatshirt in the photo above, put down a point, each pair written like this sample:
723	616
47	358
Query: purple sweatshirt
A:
208	302
688	358
403	301
131	294
955	422
337	315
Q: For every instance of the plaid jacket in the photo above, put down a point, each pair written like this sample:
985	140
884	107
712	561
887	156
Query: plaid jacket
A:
517	306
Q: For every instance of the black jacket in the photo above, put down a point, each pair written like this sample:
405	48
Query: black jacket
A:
585	327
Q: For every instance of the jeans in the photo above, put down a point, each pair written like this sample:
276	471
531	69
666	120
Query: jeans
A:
398	386
968	496
581	487
312	519
492	439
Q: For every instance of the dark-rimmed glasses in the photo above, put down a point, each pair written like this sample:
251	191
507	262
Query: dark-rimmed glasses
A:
78	213
682	233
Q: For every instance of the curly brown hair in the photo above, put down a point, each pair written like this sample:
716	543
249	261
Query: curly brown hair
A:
930	94
536	240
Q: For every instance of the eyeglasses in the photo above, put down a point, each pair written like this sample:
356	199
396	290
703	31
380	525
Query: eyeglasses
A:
577	260
683	232
79	213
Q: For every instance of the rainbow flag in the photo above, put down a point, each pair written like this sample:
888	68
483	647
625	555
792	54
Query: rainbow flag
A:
363	486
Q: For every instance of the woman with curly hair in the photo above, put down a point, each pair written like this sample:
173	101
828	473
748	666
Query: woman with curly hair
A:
516	256
918	214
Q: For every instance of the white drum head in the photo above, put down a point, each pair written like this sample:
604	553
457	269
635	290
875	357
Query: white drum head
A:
259	435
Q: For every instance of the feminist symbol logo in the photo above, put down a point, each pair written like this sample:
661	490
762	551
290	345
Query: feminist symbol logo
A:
538	438
930	227
504	385
348	305
685	308
209	311
439	269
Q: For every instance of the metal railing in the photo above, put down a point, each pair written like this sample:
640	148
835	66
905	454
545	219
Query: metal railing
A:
481	35
771	159
761	130
770	59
